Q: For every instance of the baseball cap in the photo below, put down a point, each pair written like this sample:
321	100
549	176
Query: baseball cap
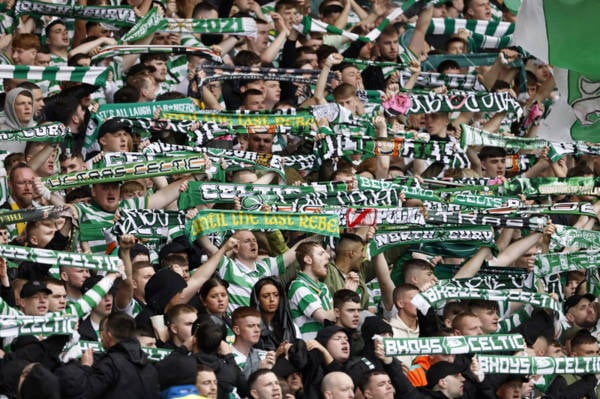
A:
575	299
112	126
441	370
33	287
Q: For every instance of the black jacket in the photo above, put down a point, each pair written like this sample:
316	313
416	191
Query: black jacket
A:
123	372
229	375
583	387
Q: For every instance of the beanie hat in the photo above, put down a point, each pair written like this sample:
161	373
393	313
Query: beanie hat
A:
161	288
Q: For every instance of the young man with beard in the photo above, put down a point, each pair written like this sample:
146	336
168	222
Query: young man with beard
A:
310	299
580	311
264	384
583	344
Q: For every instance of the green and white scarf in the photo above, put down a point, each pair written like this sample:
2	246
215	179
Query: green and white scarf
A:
566	236
153	22
13	326
450	26
541	186
119	50
154	354
119	16
131	171
453	345
488	277
547	264
149	223
538	365
210	73
60	258
474	235
27	215
429	102
442	292
91	75
434	79
478	137
213	221
51	133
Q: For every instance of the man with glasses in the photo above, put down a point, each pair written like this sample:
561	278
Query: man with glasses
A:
20	188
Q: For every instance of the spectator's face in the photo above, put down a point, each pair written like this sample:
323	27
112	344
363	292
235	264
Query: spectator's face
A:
290	15
161	38
105	306
57	301
424	279
470	326
454	385
309	58
349	314
74	276
42	234
272	91
140	279
38	101
58	37
73	164
107	196
350	103
148	342
35	305
294	380
456	47
21	186
3	236
217	300
248	329
380	387
255	102
351	75
489	320
24	109
261	42
388	47
479	9
586	350
571	287
261	142
268	298
115	142
320	261
160	74
266	387
343	389
493	167
206	383
42	59
181	327
406	304
583	314
23	56
436	123
339	347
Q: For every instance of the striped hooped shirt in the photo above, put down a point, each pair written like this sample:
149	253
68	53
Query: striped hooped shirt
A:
241	279
306	296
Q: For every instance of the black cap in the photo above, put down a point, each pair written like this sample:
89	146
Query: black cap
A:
176	369
326	333
441	370
33	287
575	299
161	288
112	126
40	383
